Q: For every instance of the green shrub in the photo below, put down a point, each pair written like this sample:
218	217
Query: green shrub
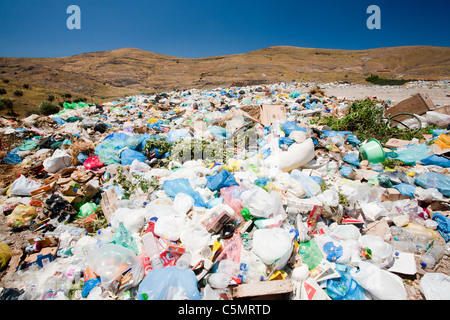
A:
5	103
47	108
18	93
2	91
50	97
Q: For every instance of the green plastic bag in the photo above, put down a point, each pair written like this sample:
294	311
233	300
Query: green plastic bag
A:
5	255
87	209
124	238
310	253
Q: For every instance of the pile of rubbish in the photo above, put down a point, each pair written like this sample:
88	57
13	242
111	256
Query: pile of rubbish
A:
223	194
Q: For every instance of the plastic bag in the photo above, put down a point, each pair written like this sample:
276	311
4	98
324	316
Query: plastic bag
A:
93	163
220	180
310	186
87	209
434	180
437	118
176	134
436	161
59	160
435	286
443	225
111	261
124	238
5	255
382	252
195	237
344	288
310	253
259	202
288	127
169	283
21	215
406	189
169	227
271	244
12	158
182	185
410	155
23	186
127	157
381	284
329	246
231	196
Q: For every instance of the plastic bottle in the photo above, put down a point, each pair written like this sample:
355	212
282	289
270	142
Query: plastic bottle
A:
411	235
184	261
151	248
432	256
410	246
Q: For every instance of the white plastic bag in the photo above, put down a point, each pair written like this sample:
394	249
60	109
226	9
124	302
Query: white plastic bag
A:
169	227
259	202
23	186
59	160
381	284
439	119
382	252
271	244
435	286
195	237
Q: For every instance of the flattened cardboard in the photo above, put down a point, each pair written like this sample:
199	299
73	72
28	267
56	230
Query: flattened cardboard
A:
271	113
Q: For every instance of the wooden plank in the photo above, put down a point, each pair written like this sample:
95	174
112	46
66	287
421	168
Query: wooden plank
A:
262	288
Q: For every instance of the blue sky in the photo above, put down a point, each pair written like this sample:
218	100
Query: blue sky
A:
197	28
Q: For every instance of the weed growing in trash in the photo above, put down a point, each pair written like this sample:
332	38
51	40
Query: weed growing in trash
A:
129	184
365	118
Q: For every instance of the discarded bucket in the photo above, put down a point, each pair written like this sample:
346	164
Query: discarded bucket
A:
372	151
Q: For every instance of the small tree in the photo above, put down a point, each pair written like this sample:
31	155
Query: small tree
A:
50	97
47	108
18	93
5	103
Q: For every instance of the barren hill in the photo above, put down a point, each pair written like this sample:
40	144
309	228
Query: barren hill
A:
111	74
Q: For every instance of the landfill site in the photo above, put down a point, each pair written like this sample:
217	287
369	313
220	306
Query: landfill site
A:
283	191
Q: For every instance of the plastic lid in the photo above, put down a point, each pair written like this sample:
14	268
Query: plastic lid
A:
423	264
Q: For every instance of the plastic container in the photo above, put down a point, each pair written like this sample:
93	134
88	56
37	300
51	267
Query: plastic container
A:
432	256
410	246
410	235
372	151
151	248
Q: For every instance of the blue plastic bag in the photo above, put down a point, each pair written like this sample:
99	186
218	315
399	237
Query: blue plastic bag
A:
127	157
134	142
344	288
345	171
181	185
434	180
351	159
437	161
286	141
405	189
219	132
169	283
443	225
288	127
176	134
12	158
220	180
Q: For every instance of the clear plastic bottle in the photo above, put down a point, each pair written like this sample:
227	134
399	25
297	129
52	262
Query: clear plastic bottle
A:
432	256
410	246
151	248
184	261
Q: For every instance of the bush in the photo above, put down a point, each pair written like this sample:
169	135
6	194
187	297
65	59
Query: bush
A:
5	103
29	112
2	91
5	80
26	86
47	108
50	97
18	93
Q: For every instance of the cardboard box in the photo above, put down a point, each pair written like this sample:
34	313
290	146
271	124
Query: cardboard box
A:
417	104
44	188
46	255
72	189
172	246
215	221
109	203
263	288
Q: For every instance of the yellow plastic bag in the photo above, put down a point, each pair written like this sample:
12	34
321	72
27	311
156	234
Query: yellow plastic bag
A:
5	255
21	215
